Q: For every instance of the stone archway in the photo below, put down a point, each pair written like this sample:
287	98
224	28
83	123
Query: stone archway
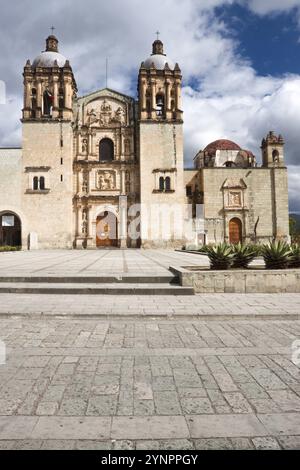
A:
10	229
107	230
235	231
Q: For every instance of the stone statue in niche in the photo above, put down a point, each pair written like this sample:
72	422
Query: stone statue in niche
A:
84	146
127	182
127	147
92	116
106	180
85	183
235	199
84	222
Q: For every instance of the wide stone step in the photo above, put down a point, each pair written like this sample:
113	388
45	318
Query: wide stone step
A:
115	279
94	289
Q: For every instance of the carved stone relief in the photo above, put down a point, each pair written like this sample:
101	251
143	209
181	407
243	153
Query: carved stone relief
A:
234	199
106	115
106	180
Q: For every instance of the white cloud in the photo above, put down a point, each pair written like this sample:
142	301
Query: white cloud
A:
271	6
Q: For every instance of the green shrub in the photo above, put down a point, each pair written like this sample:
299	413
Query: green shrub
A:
276	255
9	248
294	258
243	255
220	256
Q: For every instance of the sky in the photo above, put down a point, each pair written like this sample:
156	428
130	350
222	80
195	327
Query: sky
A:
240	61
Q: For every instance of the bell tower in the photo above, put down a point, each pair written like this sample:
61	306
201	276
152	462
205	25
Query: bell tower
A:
273	151
47	148
160	131
159	87
49	85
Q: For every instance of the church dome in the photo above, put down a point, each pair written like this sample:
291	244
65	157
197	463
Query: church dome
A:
221	144
50	55
158	58
47	59
159	62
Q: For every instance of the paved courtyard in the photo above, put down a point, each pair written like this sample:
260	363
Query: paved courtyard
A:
95	262
145	372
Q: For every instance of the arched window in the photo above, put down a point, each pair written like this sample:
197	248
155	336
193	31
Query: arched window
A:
161	183
275	155
36	183
106	150
61	98
33	102
160	105
168	183
229	164
48	103
42	182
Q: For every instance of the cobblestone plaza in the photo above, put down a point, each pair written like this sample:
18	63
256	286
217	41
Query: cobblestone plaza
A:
211	371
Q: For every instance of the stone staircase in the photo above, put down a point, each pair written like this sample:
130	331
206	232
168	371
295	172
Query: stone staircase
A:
90	285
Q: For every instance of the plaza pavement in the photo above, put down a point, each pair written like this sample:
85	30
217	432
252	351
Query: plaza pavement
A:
208	371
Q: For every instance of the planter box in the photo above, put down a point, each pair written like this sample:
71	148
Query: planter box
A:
239	281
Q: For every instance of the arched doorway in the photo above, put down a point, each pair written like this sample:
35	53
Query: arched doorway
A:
10	229
107	230
235	231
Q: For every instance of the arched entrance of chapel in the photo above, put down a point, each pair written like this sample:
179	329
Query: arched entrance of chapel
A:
235	231
106	230
10	229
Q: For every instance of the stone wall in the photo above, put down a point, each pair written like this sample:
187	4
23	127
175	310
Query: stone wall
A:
265	196
161	155
47	151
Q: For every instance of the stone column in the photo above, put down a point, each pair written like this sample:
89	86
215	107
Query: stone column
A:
168	100
143	95
123	221
123	189
153	100
178	97
27	98
90	145
55	98
39	99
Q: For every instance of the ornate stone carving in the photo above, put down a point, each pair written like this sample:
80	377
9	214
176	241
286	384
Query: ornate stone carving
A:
92	117
106	180
105	114
120	115
235	199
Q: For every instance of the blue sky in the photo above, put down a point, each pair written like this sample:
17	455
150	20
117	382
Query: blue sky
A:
271	42
239	59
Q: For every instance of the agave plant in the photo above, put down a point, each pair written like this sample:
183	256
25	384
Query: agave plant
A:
276	255
243	255
294	261
220	256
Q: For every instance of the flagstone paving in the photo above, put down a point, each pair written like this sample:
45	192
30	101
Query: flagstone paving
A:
149	384
210	371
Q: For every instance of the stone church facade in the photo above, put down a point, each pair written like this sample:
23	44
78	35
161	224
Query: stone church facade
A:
106	170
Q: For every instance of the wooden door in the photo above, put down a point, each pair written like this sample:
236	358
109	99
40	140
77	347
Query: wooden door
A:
106	232
235	231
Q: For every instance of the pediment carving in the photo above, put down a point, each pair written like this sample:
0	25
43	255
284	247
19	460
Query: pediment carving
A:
234	183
